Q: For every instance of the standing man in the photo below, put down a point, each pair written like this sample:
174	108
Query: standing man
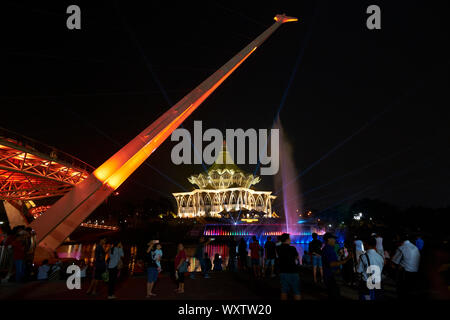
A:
99	266
359	248
379	247
315	249
330	263
232	255
269	248
407	258
368	261
289	278
254	255
200	256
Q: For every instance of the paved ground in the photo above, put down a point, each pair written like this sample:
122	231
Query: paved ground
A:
220	286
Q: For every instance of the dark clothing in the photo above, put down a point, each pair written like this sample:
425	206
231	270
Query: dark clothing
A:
242	250
287	255
112	280
18	249
207	265
99	264
149	259
328	255
332	288
98	273
100	257
232	249
406	284
315	247
347	271
218	264
200	251
180	277
270	250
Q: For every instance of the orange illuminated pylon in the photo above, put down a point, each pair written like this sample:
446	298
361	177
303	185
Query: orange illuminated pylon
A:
66	214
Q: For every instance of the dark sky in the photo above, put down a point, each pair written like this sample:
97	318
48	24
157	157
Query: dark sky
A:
386	89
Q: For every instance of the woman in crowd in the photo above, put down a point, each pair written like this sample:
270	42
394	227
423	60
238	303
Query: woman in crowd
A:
152	267
115	256
180	268
242	251
99	266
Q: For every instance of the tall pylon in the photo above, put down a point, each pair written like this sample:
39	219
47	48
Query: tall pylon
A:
67	213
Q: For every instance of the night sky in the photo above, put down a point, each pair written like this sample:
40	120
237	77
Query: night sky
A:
371	104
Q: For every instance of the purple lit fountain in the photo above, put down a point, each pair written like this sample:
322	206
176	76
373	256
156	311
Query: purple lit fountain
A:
286	184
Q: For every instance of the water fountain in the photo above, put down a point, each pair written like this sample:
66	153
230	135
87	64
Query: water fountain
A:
286	185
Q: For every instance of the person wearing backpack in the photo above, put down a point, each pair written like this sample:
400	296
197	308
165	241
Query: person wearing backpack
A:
370	265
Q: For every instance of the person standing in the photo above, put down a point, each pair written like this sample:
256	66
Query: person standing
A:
217	262
99	266
43	270
232	255
152	267
115	255
199	255
407	258
254	254
19	257
242	251
180	268
315	249
367	263
347	268
289	277
270	251
8	243
330	264
359	248
379	247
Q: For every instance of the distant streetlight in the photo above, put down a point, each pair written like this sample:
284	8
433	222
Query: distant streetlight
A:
357	216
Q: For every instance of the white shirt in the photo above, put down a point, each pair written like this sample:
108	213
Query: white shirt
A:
359	245
375	259
407	256
83	272
379	244
43	272
115	257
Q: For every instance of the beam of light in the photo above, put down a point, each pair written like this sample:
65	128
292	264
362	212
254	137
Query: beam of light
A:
407	93
69	211
335	148
105	135
381	181
354	171
114	173
155	77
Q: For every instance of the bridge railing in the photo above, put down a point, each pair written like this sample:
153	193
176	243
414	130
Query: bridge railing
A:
51	152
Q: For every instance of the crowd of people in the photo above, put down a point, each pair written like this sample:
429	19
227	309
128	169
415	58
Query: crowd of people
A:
364	263
19	247
361	262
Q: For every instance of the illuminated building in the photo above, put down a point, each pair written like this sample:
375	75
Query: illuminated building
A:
224	189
